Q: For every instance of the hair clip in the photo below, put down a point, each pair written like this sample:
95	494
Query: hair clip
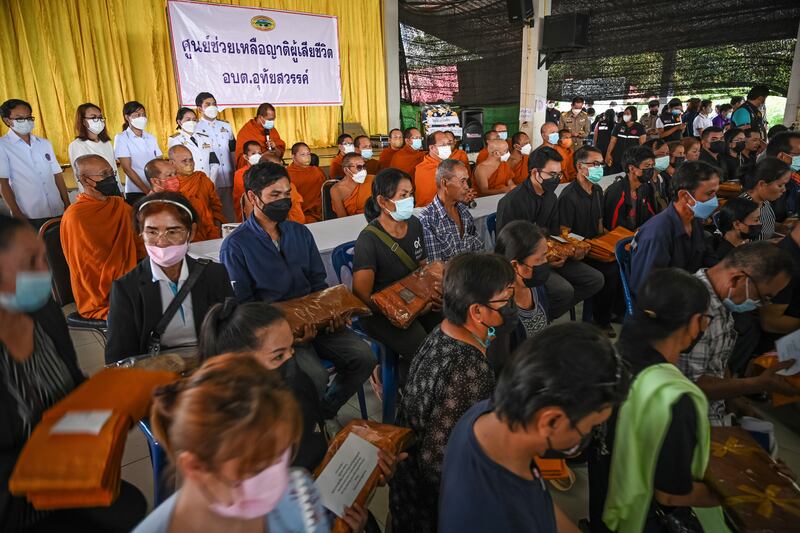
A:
649	313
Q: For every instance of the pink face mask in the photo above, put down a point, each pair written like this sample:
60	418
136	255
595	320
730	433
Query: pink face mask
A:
258	495
168	256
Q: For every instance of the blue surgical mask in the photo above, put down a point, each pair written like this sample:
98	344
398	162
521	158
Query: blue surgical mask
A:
553	138
595	174
703	210
403	209
32	292
746	306
366	154
795	163
662	162
269	124
416	144
503	135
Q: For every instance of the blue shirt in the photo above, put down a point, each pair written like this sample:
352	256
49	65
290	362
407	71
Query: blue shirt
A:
662	242
478	494
261	271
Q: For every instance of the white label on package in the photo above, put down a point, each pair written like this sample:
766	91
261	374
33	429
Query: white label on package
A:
81	422
346	473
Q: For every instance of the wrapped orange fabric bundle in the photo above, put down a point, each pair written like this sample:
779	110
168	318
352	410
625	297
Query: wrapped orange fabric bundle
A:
602	248
404	300
552	468
729	189
767	361
556	251
61	471
391	439
318	308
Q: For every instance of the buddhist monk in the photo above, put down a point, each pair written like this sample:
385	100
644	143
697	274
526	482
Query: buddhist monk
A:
252	156
410	155
346	146
520	150
162	175
295	212
565	142
363	146
439	149
200	191
552	138
396	142
97	236
262	130
349	196
308	180
494	176
489	136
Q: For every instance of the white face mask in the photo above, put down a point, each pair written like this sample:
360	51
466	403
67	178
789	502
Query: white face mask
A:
444	152
366	153
360	176
526	150
22	127
254	159
96	126
139	123
551	105
576	111
349	148
189	126
505	157
211	111
626	118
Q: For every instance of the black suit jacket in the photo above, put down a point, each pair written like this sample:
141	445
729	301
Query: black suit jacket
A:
135	306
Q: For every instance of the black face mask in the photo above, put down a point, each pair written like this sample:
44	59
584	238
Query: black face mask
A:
654	112
576	450
278	210
678	162
540	275
108	187
550	185
647	175
738	147
717	147
510	319
753	232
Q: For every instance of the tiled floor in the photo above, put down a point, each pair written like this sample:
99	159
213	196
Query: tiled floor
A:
136	459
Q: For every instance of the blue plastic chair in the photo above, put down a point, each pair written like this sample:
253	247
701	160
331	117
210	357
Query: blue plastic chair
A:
491	225
162	489
342	260
624	261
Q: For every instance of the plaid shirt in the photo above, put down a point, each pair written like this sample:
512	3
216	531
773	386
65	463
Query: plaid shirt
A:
443	241
710	356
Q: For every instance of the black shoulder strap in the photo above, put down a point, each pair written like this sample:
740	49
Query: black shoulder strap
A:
172	308
409	263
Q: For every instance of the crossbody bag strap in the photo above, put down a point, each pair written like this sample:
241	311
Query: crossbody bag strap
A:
394	247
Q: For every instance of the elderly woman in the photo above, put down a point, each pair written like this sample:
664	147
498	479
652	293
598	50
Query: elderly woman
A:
140	299
448	375
38	367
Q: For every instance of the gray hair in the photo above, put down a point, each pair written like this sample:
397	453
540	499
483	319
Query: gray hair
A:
76	166
447	169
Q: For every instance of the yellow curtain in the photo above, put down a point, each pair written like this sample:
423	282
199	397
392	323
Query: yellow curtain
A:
58	54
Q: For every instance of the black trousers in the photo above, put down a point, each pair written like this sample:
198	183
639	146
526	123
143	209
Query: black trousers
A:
610	298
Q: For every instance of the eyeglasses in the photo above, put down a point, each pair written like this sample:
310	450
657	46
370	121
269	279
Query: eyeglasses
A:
101	117
504	301
31	119
359	168
175	235
99	177
592	164
552	175
765	300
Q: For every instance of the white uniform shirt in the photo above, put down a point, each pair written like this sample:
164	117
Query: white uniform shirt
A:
701	122
220	133
80	147
29	170
200	146
180	330
141	150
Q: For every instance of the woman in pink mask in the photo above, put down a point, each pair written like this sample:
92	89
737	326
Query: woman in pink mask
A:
141	318
230	429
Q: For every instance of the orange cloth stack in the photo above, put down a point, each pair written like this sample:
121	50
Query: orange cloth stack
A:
603	248
65	471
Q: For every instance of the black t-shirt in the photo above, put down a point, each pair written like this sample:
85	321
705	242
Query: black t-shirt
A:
478	494
673	473
523	203
730	166
604	130
706	157
372	254
791	293
627	136
579	211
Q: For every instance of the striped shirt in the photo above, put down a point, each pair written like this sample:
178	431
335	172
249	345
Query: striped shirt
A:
767	218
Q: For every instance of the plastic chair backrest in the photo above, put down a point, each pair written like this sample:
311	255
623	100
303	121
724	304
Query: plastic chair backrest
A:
623	256
50	233
342	261
491	224
327	207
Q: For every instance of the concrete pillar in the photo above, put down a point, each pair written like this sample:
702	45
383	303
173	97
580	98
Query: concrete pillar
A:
391	48
791	114
533	81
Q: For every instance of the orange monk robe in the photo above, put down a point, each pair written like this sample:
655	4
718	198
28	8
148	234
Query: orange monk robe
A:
373	166
483	155
521	170
100	245
425	181
387	154
407	160
295	213
253	131
199	190
500	178
461	155
308	181
354	204
335	170
567	165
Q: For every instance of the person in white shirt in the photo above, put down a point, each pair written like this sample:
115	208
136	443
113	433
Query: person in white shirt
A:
31	180
134	148
703	119
223	143
199	144
91	137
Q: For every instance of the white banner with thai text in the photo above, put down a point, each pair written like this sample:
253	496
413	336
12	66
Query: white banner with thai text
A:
246	56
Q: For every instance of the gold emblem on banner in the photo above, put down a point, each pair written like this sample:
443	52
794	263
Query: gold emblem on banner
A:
262	23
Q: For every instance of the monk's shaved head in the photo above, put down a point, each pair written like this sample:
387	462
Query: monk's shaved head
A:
548	128
182	158
490	136
269	157
159	169
90	165
297	146
266	110
178	150
498	145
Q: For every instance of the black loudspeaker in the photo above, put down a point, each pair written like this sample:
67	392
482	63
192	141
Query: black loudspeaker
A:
519	10
565	32
472	129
